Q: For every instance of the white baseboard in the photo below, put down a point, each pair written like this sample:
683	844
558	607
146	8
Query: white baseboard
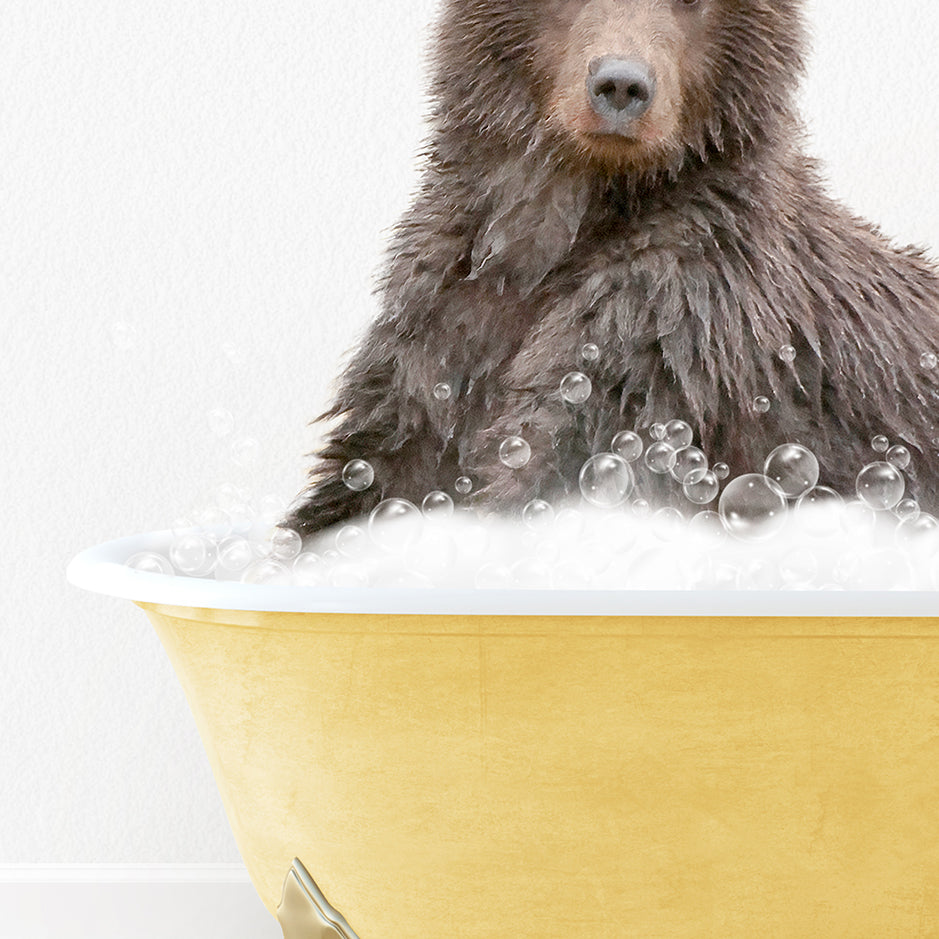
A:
131	901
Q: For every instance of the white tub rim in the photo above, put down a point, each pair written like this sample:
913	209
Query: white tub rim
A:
101	569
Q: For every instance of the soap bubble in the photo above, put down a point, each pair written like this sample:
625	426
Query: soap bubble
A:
538	515
657	568
395	524
606	480
572	574
463	485
263	548
752	507
760	574
919	533
242	517
657	431
928	360
409	579
309	569
858	518
668	523
721	470
266	571
546	550
798	566
492	576
150	562
701	486
640	508
514	452
678	435
285	544
214	522
437	504
228	495
234	554
614	531
348	576
474	540
594	552
819	510
221	421
875	570
628	445
660	457
723	575
530	574
193	554
435	552
890	570
245	450
576	387
442	391
880	443
793	468
590	351
899	456
761	404
569	524
351	541
845	568
906	508
708	524
880	485
787	353
687	460
358	475
699	574
181	525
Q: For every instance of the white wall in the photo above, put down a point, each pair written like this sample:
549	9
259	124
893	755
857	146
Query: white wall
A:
215	175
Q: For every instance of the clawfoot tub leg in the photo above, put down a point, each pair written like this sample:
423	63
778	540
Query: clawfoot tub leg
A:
304	913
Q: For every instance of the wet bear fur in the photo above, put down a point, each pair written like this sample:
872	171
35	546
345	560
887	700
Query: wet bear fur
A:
689	253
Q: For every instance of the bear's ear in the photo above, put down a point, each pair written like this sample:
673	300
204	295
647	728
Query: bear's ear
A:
532	219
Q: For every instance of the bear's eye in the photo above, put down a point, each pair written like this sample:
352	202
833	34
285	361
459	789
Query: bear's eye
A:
688	3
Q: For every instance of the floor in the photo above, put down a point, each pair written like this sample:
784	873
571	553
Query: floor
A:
133	911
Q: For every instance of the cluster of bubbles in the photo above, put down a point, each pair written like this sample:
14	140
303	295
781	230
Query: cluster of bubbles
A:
233	538
775	529
244	450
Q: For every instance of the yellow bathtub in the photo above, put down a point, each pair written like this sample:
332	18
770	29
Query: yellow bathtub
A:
548	764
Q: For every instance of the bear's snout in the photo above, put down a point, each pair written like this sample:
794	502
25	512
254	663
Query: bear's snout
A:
620	90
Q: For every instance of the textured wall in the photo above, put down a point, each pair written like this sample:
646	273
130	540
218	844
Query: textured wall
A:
193	200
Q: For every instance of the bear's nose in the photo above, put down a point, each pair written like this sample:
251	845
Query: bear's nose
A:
620	90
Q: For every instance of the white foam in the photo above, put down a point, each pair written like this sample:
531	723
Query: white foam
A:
587	549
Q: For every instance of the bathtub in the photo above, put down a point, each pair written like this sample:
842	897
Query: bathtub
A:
544	764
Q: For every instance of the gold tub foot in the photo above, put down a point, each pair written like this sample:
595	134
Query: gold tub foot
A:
304	913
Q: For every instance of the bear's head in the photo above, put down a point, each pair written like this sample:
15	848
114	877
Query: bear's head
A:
624	85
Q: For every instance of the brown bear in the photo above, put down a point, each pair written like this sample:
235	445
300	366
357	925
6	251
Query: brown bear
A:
628	174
